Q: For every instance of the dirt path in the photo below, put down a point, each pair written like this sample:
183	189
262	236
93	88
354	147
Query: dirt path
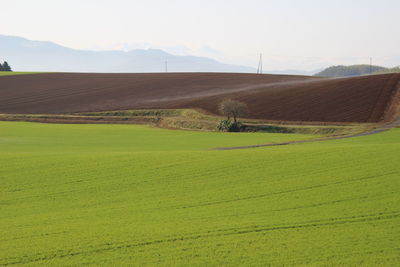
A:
379	129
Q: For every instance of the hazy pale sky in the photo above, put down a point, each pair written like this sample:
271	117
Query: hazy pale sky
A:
291	34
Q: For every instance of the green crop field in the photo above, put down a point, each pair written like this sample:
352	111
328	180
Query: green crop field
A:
9	73
125	195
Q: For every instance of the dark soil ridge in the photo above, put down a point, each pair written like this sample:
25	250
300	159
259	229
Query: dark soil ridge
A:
268	97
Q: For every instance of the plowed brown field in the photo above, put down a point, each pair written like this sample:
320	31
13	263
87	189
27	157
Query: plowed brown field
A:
270	97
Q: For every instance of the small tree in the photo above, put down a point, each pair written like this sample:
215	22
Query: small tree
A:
232	109
6	67
1	67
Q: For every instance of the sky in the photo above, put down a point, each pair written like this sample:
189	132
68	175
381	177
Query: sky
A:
291	34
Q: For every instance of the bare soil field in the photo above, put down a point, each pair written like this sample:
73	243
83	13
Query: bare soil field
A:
269	97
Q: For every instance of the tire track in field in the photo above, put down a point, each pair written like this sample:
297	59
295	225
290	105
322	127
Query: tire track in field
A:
222	232
284	191
380	129
299	260
320	204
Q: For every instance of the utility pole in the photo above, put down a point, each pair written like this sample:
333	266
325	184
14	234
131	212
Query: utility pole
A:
260	67
166	65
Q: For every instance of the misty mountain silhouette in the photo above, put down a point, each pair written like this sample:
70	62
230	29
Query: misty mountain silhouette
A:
28	55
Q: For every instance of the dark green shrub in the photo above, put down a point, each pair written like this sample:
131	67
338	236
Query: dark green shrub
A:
229	126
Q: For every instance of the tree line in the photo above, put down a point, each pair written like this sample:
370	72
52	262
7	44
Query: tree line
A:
355	70
5	66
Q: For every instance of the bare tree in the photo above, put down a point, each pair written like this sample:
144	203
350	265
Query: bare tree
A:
232	108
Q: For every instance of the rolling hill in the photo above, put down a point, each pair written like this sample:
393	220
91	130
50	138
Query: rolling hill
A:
355	70
269	97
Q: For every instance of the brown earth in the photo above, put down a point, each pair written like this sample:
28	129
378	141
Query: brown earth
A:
269	97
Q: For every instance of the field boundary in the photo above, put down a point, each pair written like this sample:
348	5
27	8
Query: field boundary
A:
376	130
198	120
189	119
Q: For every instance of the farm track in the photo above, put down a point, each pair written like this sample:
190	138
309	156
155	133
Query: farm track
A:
269	97
379	129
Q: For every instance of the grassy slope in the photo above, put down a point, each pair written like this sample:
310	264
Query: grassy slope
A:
329	203
9	73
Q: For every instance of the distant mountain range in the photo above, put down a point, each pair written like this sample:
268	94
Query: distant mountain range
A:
355	70
27	55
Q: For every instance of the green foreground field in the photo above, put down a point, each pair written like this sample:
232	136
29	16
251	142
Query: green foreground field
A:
128	195
10	73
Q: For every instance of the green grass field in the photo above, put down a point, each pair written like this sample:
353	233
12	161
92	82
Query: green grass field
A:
9	73
125	195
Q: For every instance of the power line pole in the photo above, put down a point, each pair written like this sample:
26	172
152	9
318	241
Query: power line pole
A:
259	68
166	65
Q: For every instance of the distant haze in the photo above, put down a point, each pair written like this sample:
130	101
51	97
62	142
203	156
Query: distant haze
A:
298	35
28	55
